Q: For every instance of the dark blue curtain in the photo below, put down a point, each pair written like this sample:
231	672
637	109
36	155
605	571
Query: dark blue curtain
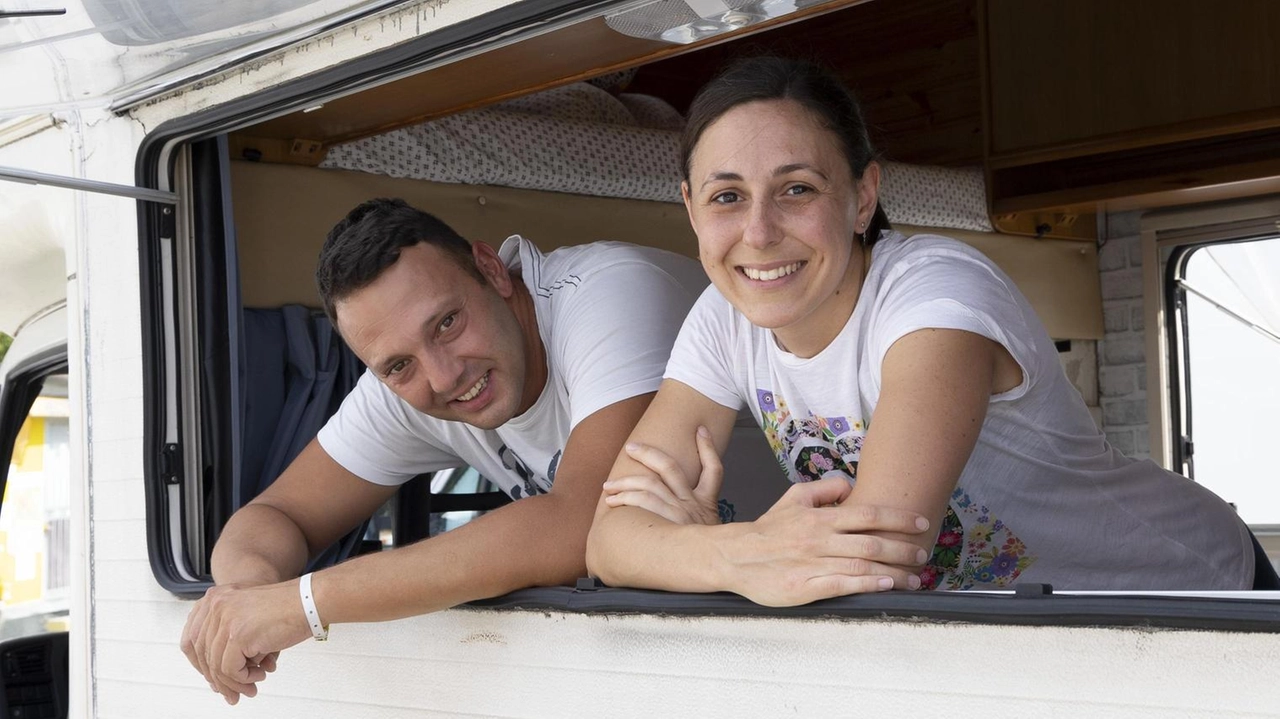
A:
294	372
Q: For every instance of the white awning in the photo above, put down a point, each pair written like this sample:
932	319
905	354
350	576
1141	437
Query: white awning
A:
1245	280
121	52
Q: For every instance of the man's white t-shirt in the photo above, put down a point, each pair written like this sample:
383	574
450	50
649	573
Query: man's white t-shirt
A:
607	313
1043	498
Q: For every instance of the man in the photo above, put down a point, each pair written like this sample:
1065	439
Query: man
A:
531	368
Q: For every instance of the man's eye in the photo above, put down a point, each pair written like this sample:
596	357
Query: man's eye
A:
397	368
448	321
726	198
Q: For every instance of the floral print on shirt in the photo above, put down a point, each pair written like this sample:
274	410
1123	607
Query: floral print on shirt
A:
810	448
987	555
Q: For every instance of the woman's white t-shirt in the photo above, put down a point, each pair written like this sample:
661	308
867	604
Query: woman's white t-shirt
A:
1043	498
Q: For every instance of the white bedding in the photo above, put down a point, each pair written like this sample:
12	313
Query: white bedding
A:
584	140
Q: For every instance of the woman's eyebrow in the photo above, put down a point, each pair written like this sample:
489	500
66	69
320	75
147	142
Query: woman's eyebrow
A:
718	176
784	169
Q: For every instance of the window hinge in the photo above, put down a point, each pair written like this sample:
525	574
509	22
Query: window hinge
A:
171	464
1033	590
1188	447
589	584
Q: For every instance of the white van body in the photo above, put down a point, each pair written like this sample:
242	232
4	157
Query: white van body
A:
125	661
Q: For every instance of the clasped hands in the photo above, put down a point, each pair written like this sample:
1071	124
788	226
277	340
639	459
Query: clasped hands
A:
235	633
812	544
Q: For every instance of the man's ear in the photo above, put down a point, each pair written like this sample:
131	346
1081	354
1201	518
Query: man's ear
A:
492	268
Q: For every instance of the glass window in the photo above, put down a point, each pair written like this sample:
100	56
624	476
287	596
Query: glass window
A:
35	519
1230	296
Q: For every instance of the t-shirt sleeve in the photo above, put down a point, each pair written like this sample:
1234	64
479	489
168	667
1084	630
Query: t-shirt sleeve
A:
951	290
370	436
614	338
702	357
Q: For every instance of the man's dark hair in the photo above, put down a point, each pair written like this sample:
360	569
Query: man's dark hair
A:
774	78
368	241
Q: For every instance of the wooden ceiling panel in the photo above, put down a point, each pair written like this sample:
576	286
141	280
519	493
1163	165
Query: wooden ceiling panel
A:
914	64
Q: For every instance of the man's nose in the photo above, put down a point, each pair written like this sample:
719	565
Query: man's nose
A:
444	373
761	229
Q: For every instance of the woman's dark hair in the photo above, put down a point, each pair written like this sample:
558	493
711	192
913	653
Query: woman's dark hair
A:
368	241
774	78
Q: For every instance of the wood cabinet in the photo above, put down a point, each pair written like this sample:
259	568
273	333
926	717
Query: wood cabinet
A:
1114	104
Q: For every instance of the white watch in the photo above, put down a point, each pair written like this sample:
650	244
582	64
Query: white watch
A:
318	628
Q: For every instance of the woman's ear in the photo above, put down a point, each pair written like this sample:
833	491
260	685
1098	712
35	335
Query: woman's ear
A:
868	194
492	268
688	202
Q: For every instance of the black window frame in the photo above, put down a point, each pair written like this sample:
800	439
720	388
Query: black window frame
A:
1029	605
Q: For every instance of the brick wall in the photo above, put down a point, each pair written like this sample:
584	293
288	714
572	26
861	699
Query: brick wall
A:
1122	378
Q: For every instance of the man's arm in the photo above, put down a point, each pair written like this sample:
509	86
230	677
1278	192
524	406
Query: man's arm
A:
536	541
309	506
313	503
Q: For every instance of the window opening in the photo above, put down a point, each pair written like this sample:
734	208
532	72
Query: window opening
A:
1224	355
35	517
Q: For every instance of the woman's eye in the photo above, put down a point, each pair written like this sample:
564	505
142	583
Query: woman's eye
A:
798	190
725	198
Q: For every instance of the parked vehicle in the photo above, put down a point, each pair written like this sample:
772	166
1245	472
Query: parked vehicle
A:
176	168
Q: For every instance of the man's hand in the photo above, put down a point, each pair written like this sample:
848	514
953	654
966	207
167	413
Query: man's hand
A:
809	546
671	495
235	633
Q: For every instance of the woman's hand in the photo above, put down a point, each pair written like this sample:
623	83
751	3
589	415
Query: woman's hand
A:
671	494
812	545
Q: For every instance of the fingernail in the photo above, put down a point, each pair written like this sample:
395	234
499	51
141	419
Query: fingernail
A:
913	581
885	583
922	523
703	432
922	557
631	446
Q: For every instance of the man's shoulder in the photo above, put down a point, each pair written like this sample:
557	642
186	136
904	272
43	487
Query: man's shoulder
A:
604	262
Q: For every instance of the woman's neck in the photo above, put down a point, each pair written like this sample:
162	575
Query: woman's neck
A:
816	332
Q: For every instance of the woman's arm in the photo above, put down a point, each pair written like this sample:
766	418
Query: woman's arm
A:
935	388
807	547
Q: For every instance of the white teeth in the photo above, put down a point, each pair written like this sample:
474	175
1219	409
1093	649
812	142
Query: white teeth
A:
475	390
769	275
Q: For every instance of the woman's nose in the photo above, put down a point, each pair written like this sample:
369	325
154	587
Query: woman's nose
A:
761	228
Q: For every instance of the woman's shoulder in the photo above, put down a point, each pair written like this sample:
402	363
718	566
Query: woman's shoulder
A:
897	248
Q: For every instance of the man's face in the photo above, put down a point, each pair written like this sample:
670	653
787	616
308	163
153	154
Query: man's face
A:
443	341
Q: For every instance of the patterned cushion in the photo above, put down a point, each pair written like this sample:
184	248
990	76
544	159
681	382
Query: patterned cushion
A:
581	139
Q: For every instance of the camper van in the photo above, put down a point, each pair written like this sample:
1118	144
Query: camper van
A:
169	170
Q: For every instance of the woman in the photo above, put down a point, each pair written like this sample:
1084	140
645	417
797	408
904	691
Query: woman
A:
913	366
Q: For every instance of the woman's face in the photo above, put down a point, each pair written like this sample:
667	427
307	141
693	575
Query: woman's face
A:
775	206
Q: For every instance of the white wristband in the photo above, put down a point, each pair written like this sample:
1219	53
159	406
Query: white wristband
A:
318	629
